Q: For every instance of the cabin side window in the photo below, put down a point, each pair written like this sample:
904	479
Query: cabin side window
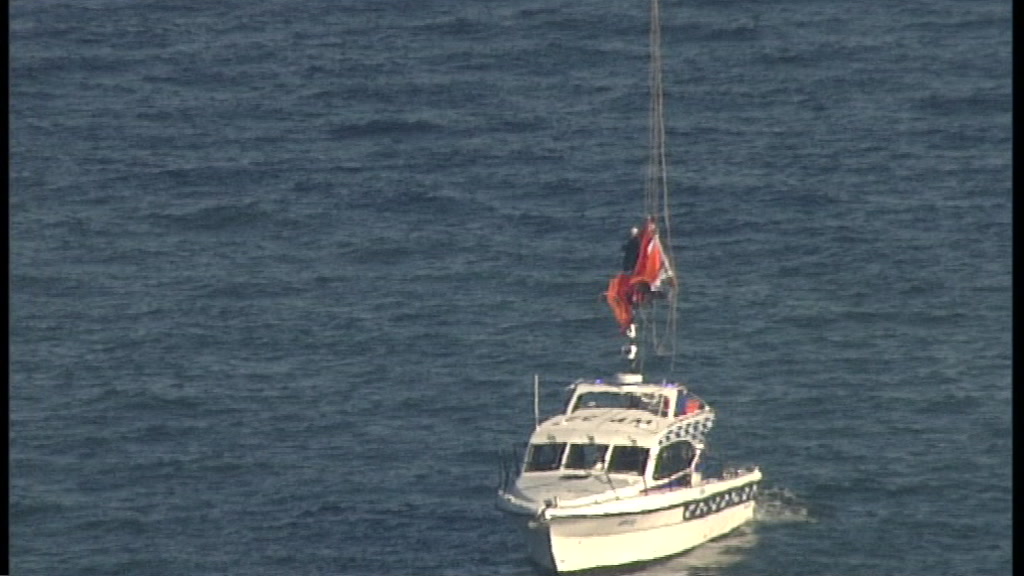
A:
585	456
673	459
541	457
627	460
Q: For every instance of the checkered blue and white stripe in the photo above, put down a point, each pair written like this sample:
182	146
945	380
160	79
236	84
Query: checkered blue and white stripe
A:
716	502
692	429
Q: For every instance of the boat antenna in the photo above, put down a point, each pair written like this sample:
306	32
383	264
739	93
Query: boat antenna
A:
631	350
536	400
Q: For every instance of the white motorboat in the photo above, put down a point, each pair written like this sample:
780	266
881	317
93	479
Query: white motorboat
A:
620	477
622	474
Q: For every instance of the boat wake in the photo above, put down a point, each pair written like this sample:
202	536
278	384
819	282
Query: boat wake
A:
778	505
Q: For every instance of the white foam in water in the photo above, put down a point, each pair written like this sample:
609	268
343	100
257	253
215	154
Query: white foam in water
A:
777	505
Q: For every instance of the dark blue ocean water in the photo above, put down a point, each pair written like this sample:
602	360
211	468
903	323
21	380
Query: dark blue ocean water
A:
282	272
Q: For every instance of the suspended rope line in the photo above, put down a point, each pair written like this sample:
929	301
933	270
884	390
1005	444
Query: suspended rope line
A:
644	298
653	195
656	202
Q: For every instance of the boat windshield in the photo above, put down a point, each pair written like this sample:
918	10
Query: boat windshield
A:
542	457
627	460
652	403
585	456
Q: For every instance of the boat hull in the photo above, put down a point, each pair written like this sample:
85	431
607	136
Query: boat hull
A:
570	543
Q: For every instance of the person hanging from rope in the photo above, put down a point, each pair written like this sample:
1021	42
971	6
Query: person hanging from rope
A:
652	267
631	250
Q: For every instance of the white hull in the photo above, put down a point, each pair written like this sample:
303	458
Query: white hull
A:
564	542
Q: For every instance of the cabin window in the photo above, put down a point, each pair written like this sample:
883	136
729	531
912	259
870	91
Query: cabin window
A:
542	457
627	460
585	456
603	400
652	403
673	459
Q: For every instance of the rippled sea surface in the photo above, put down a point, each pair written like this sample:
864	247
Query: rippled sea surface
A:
282	273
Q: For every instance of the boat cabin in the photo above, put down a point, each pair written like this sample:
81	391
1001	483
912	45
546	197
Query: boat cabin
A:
653	432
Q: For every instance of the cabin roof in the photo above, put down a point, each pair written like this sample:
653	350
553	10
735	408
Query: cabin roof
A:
622	425
601	426
599	386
